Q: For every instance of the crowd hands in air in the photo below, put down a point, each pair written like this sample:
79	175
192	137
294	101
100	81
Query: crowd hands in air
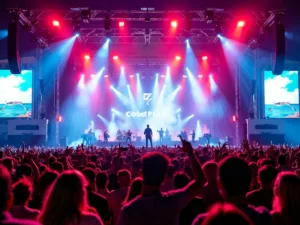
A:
164	185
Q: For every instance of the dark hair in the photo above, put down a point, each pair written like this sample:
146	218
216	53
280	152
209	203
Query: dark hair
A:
93	158
101	180
91	165
154	168
24	170
210	170
135	189
137	164
281	159
180	180
221	214
268	162
235	176
57	166
42	167
22	191
267	174
8	163
170	171
176	164
46	179
52	159
90	175
5	186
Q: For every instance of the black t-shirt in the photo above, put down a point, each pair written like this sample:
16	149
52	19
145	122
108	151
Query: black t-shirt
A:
191	211
100	203
148	132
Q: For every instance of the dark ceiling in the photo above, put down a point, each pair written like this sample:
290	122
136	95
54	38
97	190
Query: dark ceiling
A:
291	18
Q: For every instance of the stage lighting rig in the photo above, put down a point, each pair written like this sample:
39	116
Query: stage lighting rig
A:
76	26
209	15
86	15
20	16
107	23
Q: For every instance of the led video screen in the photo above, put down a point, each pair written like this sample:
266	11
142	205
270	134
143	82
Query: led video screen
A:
281	95
15	94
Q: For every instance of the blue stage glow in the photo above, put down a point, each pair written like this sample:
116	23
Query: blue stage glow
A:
198	130
124	100
3	34
197	93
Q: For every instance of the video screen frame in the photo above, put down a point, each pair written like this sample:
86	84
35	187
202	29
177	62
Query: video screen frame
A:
263	79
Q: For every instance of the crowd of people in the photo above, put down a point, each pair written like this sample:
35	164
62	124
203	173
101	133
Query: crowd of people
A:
165	185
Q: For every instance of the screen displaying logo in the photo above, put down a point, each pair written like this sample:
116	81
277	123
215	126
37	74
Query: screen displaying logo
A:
147	98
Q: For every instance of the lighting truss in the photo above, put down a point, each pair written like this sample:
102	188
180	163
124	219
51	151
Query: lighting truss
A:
143	27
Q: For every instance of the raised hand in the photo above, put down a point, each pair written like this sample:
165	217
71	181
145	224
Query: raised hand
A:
186	146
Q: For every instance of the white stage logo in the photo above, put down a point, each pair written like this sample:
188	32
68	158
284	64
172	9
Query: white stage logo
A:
142	114
147	98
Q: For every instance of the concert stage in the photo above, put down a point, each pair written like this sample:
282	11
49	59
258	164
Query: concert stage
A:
95	76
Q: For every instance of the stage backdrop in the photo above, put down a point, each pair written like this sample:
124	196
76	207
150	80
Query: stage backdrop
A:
281	95
15	94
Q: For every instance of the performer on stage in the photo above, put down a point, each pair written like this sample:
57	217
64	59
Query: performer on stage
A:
128	134
119	135
161	135
148	135
106	136
193	136
167	133
89	137
184	135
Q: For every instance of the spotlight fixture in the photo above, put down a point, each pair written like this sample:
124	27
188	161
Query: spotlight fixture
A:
115	57
204	58
174	24
241	23
177	57
76	26
121	24
87	57
55	23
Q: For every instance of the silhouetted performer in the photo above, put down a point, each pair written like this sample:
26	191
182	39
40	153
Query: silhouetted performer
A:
89	137
106	136
161	135
148	135
129	133
193	136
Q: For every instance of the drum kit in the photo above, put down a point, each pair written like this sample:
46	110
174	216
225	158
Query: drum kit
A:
122	135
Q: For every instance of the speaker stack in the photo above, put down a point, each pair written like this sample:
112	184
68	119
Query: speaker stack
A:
279	50
13	53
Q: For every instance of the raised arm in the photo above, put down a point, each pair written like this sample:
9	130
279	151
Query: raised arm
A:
187	193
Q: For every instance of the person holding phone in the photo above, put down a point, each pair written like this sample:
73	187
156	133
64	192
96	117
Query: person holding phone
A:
148	135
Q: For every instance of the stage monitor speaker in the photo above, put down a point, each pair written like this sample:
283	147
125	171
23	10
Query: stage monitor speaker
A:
13	53
279	50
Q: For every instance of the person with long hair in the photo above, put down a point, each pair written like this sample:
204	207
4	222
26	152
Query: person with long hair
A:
286	203
135	189
66	202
